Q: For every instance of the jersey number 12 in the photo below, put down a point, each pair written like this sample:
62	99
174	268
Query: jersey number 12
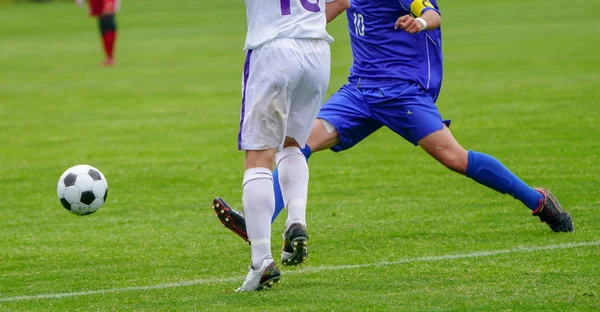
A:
286	6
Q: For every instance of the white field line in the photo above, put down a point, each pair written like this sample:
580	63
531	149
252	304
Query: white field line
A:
305	270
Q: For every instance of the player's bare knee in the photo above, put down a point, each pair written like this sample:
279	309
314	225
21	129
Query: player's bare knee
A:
457	165
290	142
260	159
455	161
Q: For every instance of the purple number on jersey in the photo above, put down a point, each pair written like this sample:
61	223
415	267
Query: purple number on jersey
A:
313	7
309	6
285	7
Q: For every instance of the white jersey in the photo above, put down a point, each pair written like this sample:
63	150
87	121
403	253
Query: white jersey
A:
295	19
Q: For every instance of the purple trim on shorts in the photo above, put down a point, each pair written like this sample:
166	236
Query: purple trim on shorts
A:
245	83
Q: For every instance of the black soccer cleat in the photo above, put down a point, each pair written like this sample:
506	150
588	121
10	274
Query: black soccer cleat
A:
551	213
231	218
295	245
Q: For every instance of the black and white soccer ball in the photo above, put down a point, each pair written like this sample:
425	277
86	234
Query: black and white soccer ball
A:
82	189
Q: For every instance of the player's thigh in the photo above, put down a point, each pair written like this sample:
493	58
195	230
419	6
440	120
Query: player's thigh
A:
310	93
442	146
347	113
322	136
271	73
406	109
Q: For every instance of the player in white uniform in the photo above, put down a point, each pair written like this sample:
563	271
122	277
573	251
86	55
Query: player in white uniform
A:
285	79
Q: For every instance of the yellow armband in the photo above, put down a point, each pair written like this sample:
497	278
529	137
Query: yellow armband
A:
417	6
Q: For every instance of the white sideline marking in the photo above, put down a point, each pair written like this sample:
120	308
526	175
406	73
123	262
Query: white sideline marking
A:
305	270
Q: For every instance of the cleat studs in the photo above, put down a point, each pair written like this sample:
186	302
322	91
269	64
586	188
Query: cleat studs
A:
295	244
217	205
226	219
222	211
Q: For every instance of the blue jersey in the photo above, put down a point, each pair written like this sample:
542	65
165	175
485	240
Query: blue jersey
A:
383	54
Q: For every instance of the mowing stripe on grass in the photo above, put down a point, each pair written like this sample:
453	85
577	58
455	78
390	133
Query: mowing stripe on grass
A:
306	270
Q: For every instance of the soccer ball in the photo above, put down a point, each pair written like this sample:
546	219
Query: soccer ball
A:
82	189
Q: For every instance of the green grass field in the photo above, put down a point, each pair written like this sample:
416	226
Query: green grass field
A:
391	229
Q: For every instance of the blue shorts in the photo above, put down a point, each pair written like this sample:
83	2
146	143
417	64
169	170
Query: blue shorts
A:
406	108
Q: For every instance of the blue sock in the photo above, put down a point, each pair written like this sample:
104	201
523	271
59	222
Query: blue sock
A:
490	172
279	205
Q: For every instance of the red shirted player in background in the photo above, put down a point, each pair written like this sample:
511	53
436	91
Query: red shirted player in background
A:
104	11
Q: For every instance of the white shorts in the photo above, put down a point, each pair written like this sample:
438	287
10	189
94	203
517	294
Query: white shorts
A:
283	88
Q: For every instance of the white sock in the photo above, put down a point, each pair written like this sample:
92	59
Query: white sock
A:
259	205
293	179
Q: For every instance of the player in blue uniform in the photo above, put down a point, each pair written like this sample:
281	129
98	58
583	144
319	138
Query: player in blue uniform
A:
394	81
